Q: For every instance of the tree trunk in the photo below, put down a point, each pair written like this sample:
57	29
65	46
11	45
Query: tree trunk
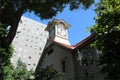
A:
12	32
14	25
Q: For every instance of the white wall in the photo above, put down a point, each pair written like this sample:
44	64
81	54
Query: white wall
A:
29	42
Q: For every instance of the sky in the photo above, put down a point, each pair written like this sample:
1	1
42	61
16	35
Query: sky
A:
79	20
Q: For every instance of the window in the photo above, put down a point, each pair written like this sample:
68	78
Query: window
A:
16	36
18	31
34	64
26	39
40	48
23	28
36	37
28	64
32	36
50	51
63	63
37	28
39	53
41	34
29	57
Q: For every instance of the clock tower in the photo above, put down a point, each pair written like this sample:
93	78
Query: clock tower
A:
58	31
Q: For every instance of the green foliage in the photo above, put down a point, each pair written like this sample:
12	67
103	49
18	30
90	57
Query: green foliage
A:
12	10
7	72
107	31
48	74
10	14
21	72
5	54
43	8
6	68
2	31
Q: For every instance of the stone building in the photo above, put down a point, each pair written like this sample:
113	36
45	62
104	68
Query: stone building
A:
29	42
78	62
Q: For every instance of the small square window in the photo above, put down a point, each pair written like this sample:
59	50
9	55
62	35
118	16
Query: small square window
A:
41	34
37	28
28	64
26	39
36	37
29	57
39	53
40	48
34	64
16	36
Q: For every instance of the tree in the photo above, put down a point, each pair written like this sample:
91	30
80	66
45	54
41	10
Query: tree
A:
12	10
5	66
21	72
48	74
5	55
7	71
107	30
10	14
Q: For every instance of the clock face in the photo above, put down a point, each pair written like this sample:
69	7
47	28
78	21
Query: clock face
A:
61	29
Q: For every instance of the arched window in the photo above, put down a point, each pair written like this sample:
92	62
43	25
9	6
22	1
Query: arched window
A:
50	51
63	64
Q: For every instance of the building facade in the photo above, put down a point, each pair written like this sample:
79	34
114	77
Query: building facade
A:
29	42
78	62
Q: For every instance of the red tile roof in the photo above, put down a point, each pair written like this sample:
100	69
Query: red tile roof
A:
75	46
85	40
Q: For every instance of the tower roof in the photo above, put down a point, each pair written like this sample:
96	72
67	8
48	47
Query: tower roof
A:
74	46
55	21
